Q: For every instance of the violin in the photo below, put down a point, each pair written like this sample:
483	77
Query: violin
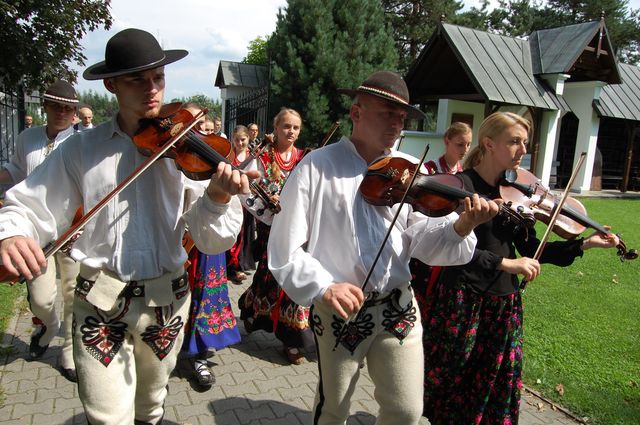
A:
434	195
523	188
197	154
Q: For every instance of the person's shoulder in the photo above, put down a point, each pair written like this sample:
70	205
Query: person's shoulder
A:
34	132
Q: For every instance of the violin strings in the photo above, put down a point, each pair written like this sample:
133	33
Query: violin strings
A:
212	155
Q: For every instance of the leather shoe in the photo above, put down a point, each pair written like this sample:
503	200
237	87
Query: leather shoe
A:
203	374
70	374
35	350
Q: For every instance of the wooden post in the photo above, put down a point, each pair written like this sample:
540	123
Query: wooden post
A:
631	133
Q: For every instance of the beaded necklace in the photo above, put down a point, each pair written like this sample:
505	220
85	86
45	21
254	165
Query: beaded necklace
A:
288	164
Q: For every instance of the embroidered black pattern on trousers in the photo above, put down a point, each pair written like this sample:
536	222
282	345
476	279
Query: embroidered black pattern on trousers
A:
315	322
161	337
399	322
356	330
102	339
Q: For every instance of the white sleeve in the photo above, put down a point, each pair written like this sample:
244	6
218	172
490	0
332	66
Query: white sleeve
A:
434	241
301	275
214	227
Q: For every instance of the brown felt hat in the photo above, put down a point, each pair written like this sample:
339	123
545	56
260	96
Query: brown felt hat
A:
389	86
131	50
61	92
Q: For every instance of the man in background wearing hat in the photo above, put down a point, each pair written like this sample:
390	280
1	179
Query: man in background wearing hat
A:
322	259
131	297
32	147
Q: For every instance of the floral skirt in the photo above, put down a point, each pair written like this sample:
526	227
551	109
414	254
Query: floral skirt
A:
270	307
212	323
473	357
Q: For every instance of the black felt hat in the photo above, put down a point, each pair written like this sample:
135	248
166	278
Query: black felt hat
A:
131	50
389	86
61	92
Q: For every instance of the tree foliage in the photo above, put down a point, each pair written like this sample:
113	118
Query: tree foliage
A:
104	106
413	22
40	38
257	52
319	46
213	106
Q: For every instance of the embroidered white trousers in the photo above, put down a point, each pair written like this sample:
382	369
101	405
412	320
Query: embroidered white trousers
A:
124	357
42	297
396	369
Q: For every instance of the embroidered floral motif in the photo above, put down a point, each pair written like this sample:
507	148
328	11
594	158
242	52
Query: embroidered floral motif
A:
102	339
161	338
356	331
399	322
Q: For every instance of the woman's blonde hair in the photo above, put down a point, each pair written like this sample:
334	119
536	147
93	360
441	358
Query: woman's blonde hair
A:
282	113
491	127
457	128
240	129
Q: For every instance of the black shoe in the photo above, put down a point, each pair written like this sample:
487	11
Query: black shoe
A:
35	350
70	374
204	375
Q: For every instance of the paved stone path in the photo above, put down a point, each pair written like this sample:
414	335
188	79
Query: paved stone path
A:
255	386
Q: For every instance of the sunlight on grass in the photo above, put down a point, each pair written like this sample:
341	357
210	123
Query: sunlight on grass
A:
581	325
8	296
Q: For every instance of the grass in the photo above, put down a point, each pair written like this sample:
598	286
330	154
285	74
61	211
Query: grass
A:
581	326
8	296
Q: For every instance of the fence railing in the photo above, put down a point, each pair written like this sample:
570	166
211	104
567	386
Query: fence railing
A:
251	107
11	107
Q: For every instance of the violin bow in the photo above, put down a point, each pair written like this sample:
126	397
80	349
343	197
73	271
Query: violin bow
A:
556	212
330	133
76	230
346	324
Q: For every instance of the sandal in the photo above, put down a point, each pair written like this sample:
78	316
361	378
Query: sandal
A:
294	355
203	374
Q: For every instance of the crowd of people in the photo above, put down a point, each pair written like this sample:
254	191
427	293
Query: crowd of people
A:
431	305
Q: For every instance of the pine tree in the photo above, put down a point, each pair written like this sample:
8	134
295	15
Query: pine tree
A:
319	46
413	22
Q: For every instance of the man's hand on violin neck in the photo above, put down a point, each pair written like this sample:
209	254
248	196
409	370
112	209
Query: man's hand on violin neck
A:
22	256
476	211
344	298
227	182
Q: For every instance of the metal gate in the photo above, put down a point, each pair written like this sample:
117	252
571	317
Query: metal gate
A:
251	107
11	119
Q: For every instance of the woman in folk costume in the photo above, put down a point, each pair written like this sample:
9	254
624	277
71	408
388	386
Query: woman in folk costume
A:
240	256
212	324
473	340
265	305
457	140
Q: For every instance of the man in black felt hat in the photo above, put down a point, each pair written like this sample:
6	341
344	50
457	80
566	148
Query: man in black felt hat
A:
32	148
132	297
323	258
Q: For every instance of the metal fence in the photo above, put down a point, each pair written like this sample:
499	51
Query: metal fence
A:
11	119
251	107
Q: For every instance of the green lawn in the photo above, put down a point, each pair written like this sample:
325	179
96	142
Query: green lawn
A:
8	296
582	325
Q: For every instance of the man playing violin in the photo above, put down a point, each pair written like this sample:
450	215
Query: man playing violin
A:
131	296
323	244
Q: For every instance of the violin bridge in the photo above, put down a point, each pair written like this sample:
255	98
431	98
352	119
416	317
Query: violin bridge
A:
406	175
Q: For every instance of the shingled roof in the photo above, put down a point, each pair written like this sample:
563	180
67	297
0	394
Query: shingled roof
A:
468	64
621	100
583	51
237	74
